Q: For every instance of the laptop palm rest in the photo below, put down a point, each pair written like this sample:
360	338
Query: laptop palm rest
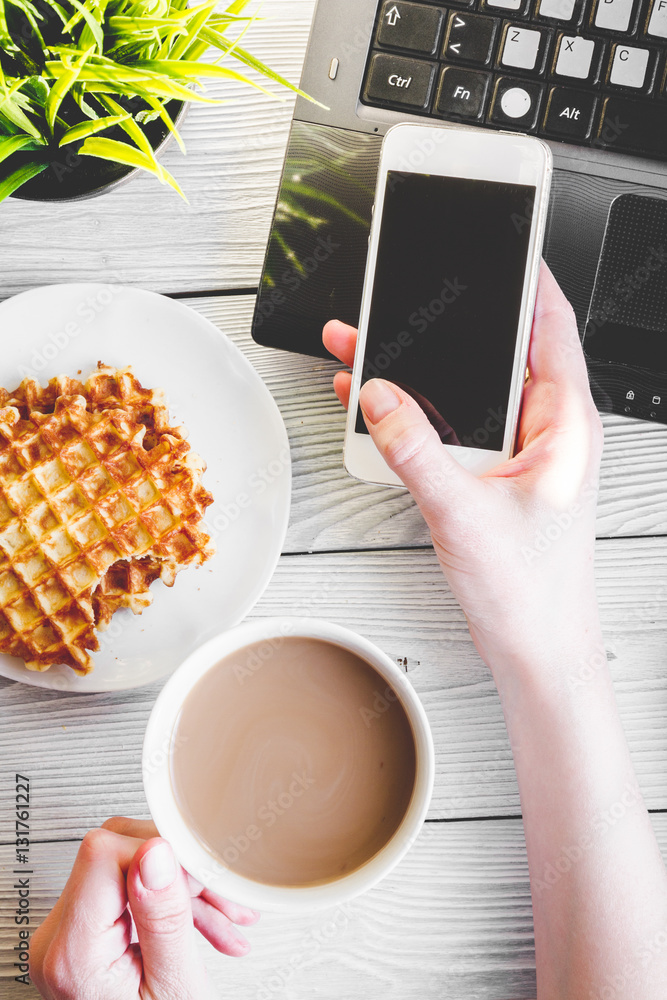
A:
626	328
316	256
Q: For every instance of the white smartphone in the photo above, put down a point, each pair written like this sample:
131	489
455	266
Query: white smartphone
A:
449	292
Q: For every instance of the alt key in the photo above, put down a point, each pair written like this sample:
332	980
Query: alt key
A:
570	113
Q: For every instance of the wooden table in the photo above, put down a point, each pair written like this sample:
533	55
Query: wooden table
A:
455	918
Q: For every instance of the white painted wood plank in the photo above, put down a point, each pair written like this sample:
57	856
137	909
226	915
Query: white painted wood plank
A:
83	753
454	920
330	510
142	233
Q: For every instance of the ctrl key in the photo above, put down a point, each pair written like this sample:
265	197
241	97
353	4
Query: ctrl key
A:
397	80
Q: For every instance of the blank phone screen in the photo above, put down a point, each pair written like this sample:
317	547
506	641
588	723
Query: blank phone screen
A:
446	299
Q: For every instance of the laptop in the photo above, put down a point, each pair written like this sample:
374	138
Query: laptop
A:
588	76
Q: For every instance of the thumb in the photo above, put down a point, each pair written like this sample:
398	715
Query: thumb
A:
159	899
412	448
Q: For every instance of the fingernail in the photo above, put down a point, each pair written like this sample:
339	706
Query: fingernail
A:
377	399
242	944
158	867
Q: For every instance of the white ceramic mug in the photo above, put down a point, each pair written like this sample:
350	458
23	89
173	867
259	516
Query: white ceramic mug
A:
209	869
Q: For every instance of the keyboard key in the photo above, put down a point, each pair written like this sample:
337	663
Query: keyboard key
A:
570	113
470	38
575	57
629	66
516	103
398	80
657	24
613	15
633	126
505	4
462	93
411	26
559	10
521	48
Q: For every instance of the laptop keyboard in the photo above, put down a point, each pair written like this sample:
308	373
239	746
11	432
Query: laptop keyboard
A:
588	72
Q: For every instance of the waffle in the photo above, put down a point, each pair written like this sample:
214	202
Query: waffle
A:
99	497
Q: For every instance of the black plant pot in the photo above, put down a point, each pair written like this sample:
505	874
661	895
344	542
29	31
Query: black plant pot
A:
70	177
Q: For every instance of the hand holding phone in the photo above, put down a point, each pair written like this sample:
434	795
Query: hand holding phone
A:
450	287
516	543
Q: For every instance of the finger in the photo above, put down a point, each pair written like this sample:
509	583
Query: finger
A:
121	932
412	449
88	919
218	929
233	911
555	354
444	430
237	914
96	886
160	902
341	340
342	384
557	395
143	829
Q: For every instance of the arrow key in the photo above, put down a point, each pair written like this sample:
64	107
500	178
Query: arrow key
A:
470	38
410	26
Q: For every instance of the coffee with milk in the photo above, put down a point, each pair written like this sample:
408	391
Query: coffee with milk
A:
294	762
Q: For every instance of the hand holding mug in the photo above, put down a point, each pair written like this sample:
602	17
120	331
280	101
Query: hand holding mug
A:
125	875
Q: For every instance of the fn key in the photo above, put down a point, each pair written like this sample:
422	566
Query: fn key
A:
397	80
462	93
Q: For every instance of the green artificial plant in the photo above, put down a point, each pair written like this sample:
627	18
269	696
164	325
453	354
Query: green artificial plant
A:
91	75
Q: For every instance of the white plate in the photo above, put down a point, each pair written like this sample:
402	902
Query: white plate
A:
233	423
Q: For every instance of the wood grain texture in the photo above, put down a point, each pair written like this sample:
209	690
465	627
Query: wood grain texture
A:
83	752
454	920
144	234
330	510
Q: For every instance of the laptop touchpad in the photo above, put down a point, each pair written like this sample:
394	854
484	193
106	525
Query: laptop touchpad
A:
627	320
